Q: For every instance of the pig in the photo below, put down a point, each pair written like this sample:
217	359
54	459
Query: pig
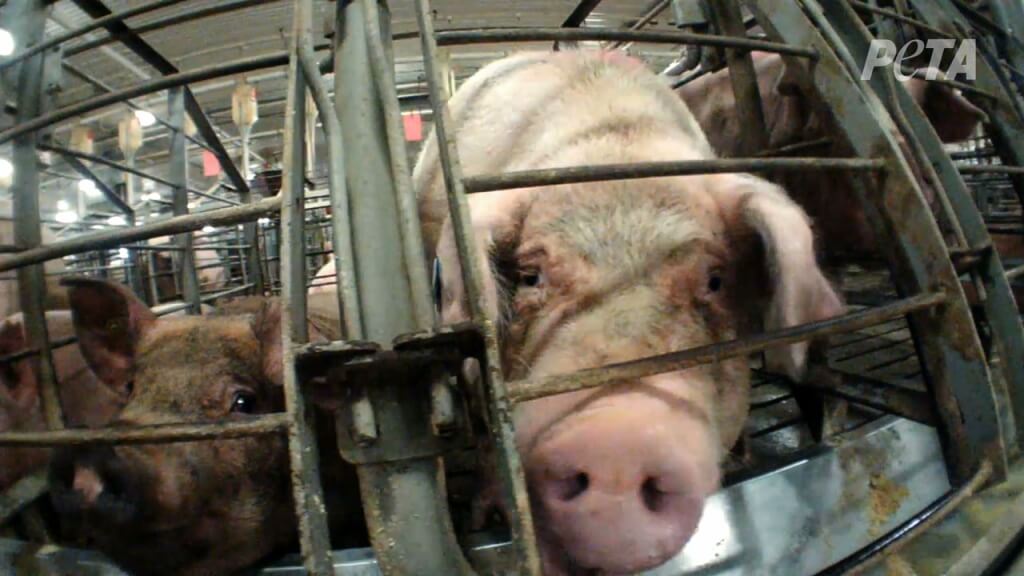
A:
188	508
211	277
55	297
793	114
580	276
85	400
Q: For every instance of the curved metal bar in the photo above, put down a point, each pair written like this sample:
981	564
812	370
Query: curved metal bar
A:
155	434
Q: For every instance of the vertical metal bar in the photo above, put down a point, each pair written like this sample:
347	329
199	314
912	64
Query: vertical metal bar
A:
178	173
302	446
728	18
405	502
948	347
251	264
510	469
29	19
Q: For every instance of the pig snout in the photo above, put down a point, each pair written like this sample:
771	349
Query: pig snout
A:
95	483
621	484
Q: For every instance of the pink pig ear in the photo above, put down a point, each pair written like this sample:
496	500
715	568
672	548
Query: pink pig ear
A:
799	291
109	321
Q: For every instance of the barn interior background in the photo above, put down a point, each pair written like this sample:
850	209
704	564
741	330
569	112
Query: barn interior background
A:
182	148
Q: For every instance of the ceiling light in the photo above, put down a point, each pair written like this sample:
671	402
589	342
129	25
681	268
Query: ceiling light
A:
88	187
146	118
208	229
264	221
63	205
7	43
97	226
116	221
6	172
66	217
122	252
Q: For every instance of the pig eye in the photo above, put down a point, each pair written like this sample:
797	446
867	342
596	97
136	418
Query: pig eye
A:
715	283
243	403
530	278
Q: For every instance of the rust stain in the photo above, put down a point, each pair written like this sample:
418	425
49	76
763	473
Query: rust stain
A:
886	498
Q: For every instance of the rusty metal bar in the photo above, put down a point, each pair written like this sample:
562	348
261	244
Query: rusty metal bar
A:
577	174
865	7
113	238
511	479
877	394
304	460
43	45
728	19
154	434
533	388
644	20
155	85
496	35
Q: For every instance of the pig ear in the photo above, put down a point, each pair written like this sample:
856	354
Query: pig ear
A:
799	291
109	321
952	116
267	327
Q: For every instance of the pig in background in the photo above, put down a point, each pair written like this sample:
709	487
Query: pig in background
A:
583	275
794	113
192	508
55	294
211	277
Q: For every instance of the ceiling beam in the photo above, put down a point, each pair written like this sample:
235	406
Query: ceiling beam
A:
135	43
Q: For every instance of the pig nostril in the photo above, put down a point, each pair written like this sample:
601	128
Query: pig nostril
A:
572	487
652	497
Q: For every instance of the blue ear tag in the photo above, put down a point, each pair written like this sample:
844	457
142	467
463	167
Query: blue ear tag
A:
436	284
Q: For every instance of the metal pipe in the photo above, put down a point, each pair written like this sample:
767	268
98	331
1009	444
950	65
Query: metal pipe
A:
155	85
533	388
178	171
989	168
348	295
658	8
92	25
865	7
21	494
497	35
153	434
577	174
509	469
303	458
112	238
728	19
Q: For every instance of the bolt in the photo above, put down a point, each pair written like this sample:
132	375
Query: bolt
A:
364	422
442	406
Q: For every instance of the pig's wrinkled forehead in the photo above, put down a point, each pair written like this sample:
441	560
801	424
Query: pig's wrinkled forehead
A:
625	223
198	341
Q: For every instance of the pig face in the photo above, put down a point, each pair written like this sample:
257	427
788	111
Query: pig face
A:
181	508
588	275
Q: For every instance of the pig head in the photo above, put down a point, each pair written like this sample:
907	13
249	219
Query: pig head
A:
86	401
584	275
794	114
196	508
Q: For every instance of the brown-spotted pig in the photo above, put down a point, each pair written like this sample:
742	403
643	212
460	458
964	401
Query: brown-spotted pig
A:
793	114
189	508
583	275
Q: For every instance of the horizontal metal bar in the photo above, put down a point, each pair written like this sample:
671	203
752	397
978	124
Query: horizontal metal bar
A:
155	85
922	74
875	393
494	35
156	434
89	27
989	168
797	147
167	22
1014	272
111	238
556	176
533	388
865	7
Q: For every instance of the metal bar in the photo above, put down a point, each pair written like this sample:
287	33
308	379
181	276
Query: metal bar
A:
21	494
533	388
404	502
576	174
155	85
167	22
405	196
728	19
302	443
865	7
512	481
1015	272
109	194
112	238
989	168
153	434
38	47
497	35
348	295
658	8
251	267
876	394
30	19
580	13
864	560
132	41
178	171
910	241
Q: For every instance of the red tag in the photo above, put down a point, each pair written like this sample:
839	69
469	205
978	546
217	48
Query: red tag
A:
211	166
413	124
